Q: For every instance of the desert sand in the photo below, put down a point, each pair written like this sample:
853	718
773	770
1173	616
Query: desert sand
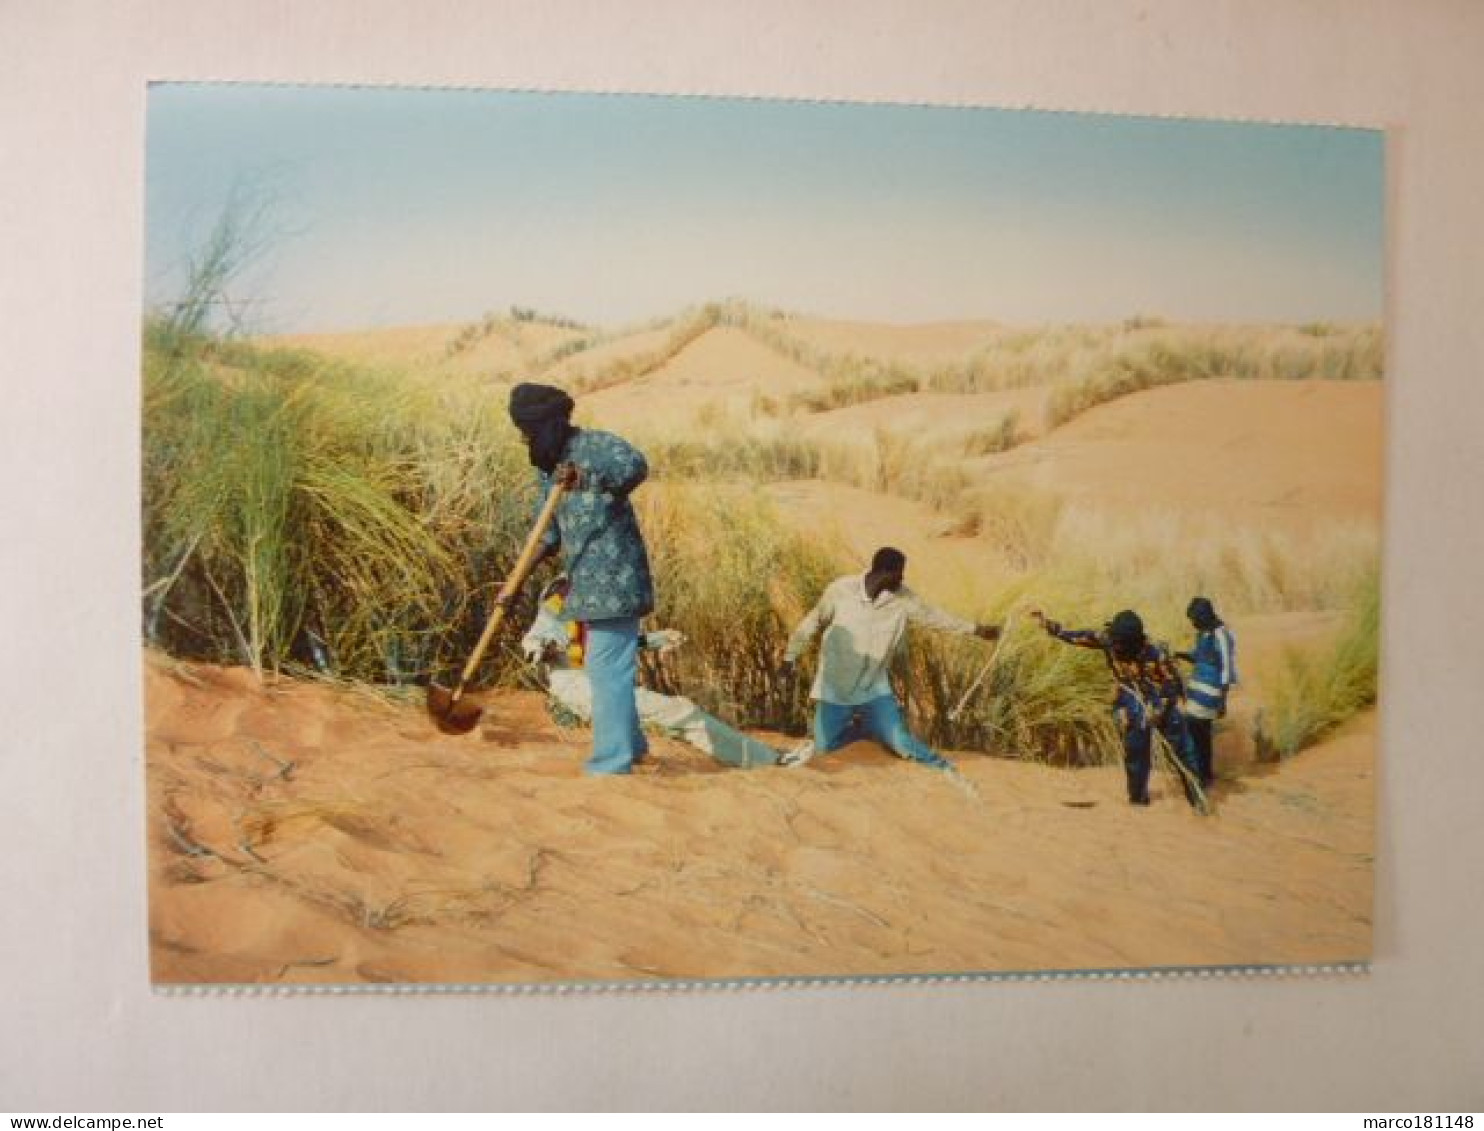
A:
304	833
1256	452
944	419
631	348
719	373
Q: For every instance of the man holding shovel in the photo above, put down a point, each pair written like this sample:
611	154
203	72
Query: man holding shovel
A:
865	618
597	533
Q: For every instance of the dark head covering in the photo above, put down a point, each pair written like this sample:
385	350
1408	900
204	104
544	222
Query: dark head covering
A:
1202	614
888	559
1126	635
534	405
543	413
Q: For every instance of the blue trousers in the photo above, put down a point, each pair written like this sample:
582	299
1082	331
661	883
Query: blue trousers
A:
613	667
880	720
1138	744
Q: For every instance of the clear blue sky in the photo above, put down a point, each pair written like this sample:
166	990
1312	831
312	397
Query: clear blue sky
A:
388	207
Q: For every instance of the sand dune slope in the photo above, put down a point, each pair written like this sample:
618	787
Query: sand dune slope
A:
503	348
1255	451
725	368
595	361
925	344
943	421
299	833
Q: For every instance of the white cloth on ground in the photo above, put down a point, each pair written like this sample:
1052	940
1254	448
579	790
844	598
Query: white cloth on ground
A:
674	715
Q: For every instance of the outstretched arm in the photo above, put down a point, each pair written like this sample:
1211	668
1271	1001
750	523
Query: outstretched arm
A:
919	612
1078	637
818	618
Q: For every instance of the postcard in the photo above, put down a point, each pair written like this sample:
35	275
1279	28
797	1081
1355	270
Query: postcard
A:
596	539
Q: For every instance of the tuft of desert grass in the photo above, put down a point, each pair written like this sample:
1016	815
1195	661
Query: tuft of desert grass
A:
1149	359
1041	700
1316	692
1000	437
1148	558
297	510
736	580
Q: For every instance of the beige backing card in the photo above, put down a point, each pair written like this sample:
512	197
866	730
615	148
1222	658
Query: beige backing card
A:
83	1029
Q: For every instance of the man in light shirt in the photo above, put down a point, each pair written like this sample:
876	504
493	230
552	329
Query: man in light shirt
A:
865	618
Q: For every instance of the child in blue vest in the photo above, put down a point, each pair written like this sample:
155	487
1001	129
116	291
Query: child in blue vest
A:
1214	660
1146	699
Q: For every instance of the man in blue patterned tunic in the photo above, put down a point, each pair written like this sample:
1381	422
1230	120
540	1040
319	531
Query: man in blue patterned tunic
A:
598	535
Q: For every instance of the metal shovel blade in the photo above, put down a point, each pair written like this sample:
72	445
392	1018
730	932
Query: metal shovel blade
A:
450	715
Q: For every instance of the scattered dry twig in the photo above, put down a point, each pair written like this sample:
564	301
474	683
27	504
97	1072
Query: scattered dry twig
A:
287	966
849	905
285	769
185	843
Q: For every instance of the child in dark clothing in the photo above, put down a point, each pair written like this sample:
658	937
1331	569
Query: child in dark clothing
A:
1147	697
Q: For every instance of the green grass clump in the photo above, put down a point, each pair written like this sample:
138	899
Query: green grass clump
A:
1022	523
317	514
1147	560
1317	692
999	438
887	462
1149	359
1042	701
736	580
873	382
763	459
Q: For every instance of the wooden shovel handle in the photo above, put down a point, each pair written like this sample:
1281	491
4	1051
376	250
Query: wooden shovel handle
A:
512	584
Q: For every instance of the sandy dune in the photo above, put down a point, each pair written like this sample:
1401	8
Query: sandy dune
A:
724	368
925	344
1256	452
508	347
299	833
512	348
942	420
727	370
1203	458
593	362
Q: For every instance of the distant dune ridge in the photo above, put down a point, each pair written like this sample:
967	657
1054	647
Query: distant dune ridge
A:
308	831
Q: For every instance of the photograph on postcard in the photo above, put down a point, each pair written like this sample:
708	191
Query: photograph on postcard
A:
616	538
